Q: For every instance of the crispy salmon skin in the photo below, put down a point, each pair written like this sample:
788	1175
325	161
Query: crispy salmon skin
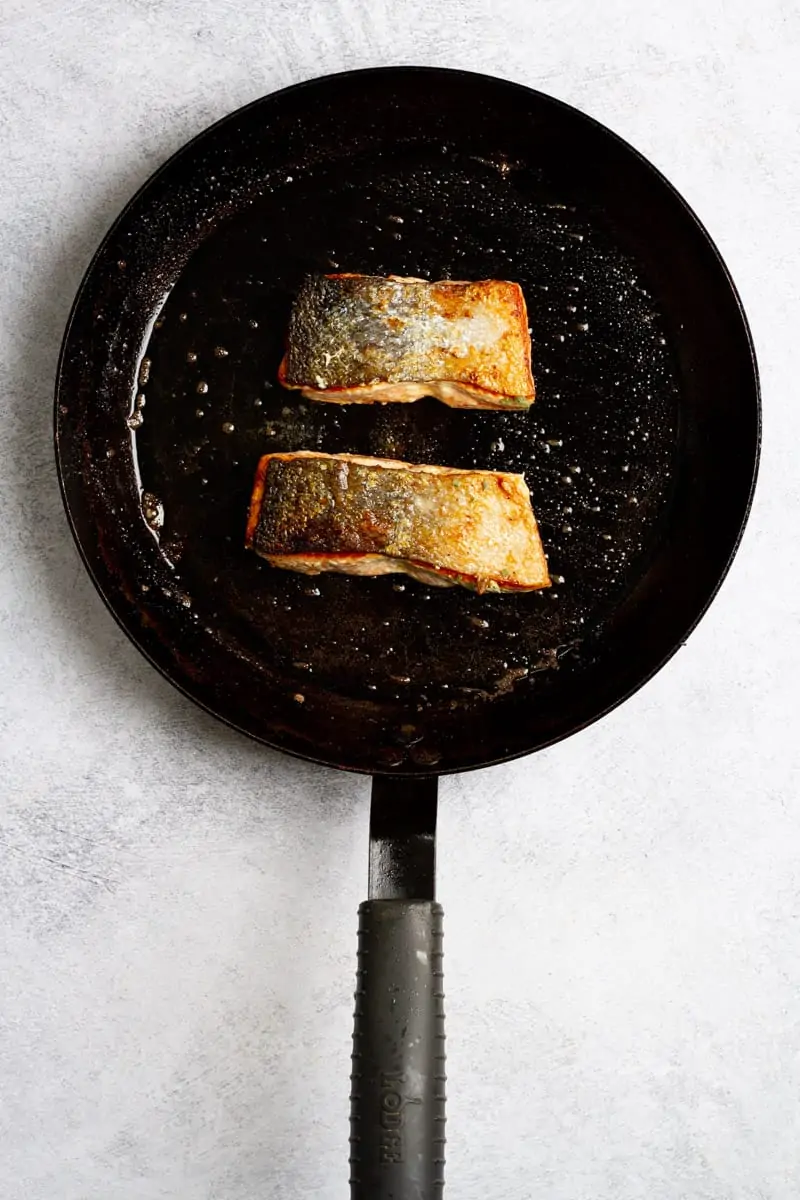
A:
315	512
365	339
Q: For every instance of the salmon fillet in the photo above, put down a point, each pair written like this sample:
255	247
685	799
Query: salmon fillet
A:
366	339
315	512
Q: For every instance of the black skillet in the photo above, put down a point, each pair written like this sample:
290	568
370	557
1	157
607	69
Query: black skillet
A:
641	454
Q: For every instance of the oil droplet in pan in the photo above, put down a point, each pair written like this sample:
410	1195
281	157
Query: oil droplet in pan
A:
478	622
152	510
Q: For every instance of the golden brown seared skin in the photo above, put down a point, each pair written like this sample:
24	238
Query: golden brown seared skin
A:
366	339
315	512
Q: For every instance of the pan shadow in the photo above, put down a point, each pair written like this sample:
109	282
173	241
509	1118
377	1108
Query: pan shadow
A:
76	628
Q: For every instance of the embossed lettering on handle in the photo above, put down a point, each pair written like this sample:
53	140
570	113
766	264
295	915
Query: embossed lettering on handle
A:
392	1118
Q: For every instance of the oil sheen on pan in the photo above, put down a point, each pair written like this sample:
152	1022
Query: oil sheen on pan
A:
597	449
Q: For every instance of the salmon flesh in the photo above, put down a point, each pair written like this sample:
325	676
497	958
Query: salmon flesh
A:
366	339
313	512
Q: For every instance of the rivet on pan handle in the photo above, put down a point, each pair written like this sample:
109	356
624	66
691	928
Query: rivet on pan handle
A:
398	1081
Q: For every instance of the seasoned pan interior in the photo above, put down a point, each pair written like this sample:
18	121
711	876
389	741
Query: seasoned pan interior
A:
598	448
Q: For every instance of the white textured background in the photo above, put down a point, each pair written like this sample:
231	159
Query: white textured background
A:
177	906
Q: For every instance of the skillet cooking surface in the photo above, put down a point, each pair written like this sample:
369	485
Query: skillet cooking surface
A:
640	449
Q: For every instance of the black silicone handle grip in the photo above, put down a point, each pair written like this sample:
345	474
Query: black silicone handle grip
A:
397	1096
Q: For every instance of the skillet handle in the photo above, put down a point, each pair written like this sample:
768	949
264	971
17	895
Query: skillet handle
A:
397	1095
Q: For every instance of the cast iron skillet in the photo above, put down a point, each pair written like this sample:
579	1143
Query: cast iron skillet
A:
641	453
